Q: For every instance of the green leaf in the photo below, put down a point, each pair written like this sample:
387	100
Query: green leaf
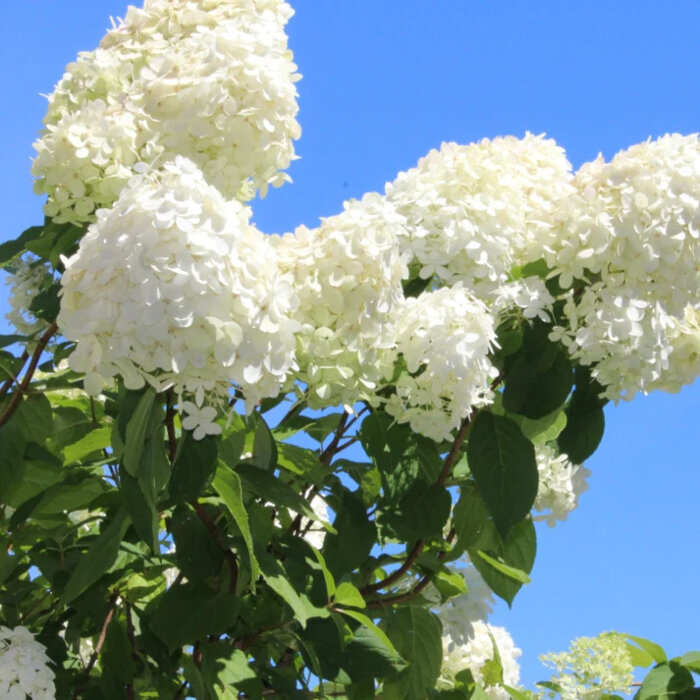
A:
264	446
356	535
194	465
585	419
278	580
70	424
327	575
691	661
471	520
370	655
274	490
506	568
137	430
508	571
99	557
503	463
417	636
13	248
142	513
539	377
192	610
225	669
11	460
33	417
231	444
651	648
378	632
6	340
301	461
420	514
46	303
347	594
92	442
542	430
197	553
228	486
664	681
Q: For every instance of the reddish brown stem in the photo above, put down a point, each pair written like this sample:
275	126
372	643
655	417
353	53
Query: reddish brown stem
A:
98	647
17	396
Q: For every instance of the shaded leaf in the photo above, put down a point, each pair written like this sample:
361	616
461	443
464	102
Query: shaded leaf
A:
228	486
503	463
99	557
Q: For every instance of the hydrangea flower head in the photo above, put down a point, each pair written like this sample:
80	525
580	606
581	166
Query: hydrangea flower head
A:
347	273
24	670
174	287
473	212
211	80
444	337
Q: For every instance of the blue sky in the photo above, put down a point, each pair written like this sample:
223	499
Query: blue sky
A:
383	83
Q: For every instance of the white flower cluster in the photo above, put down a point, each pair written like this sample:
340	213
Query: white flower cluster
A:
593	667
468	639
173	286
633	232
347	274
30	276
560	484
470	646
211	80
474	212
684	359
24	670
445	337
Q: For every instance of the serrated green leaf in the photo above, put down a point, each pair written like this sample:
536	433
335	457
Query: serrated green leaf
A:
417	635
228	486
378	632
355	536
420	514
98	558
503	463
278	580
505	568
191	611
539	376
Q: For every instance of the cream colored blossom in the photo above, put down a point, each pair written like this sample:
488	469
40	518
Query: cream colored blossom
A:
29	277
561	483
469	645
347	274
445	337
24	670
592	666
474	212
175	288
211	80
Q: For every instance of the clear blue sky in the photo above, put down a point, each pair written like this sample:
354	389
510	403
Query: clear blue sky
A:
383	83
